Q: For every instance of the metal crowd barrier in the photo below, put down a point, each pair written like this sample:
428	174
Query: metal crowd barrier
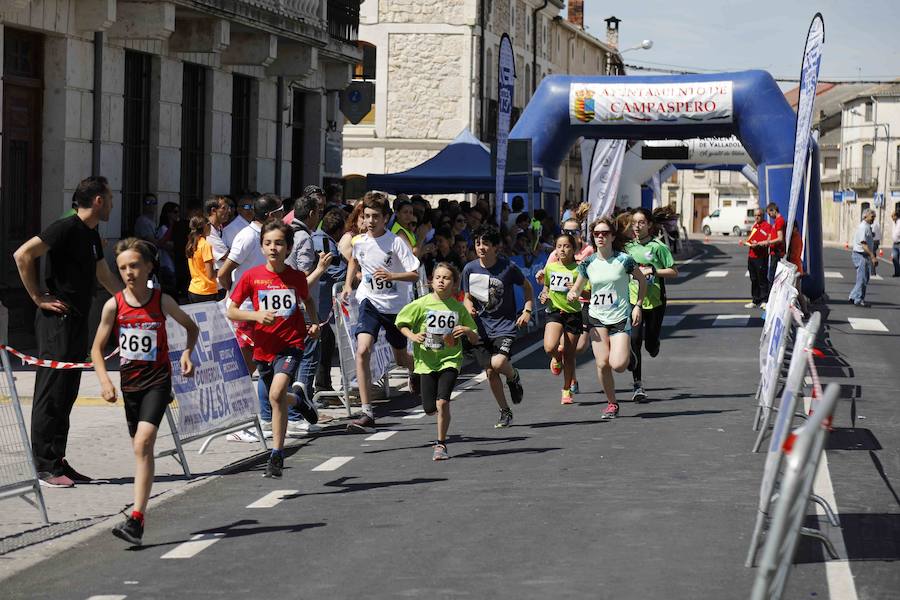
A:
801	465
18	476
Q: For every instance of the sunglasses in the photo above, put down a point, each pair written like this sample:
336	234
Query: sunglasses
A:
571	231
602	233
247	206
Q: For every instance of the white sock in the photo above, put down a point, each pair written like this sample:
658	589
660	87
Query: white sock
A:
367	409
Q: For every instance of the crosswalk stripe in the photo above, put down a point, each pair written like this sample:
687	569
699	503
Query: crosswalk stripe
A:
717	273
198	544
731	320
334	463
108	597
380	436
672	320
833	275
415	415
272	499
867	324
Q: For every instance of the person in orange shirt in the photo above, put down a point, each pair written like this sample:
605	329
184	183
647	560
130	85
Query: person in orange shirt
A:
758	260
203	286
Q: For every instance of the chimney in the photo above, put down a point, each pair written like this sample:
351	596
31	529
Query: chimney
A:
612	31
575	15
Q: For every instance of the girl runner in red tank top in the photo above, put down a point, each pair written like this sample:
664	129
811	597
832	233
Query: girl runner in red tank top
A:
138	315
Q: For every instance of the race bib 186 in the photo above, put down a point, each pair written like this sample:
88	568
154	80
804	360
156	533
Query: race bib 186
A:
561	282
282	301
604	298
137	344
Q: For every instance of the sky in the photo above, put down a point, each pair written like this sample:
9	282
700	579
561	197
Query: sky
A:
862	39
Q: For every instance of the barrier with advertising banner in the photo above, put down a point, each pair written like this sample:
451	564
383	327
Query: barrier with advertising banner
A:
773	342
803	345
220	397
382	360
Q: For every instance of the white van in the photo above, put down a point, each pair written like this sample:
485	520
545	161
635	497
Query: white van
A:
736	220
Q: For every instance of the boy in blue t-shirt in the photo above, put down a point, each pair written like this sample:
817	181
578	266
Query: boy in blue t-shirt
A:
488	285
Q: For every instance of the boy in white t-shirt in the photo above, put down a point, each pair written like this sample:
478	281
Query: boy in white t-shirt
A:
389	269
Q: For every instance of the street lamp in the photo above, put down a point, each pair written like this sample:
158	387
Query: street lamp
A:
645	45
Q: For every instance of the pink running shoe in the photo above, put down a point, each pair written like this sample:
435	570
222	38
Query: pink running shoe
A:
555	366
566	397
611	412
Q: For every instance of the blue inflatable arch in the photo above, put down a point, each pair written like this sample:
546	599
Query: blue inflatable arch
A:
760	117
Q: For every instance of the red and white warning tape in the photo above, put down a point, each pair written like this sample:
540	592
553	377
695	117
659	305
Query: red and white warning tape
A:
52	364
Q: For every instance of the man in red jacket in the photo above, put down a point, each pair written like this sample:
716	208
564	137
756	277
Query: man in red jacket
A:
757	261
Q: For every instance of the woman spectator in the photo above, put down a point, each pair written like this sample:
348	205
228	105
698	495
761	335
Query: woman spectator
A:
352	228
203	286
164	233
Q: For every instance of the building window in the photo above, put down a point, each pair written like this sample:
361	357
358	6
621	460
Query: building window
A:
242	91
512	18
365	70
869	110
298	110
868	151
136	137
193	136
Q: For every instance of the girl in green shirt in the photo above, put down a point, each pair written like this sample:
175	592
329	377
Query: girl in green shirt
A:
434	323
563	316
656	263
611	314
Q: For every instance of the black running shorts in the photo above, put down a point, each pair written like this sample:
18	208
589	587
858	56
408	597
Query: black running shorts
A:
434	386
146	405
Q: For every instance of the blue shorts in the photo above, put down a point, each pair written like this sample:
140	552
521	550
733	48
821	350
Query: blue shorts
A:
286	362
372	322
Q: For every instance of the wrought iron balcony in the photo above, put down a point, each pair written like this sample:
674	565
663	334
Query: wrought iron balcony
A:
343	20
859	177
309	11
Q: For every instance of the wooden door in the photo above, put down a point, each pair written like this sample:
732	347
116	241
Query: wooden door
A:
701	210
20	151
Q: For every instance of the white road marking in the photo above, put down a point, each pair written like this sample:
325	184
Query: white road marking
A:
700	255
837	572
672	320
334	463
272	499
717	273
380	436
746	273
418	414
198	544
731	320
108	597
867	324
833	275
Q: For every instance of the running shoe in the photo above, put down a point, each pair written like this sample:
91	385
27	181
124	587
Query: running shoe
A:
55	481
762	306
566	397
751	305
574	387
639	395
505	419
555	366
611	412
516	393
440	452
363	424
301	428
305	406
74	475
131	530
275	466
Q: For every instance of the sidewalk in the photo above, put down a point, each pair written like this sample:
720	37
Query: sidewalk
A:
99	447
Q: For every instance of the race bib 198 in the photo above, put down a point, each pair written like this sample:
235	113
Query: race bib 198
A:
282	302
561	282
379	286
137	344
604	298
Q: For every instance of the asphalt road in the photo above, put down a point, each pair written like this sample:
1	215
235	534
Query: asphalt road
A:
659	503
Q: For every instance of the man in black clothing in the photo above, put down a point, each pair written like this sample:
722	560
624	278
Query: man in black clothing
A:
441	251
76	263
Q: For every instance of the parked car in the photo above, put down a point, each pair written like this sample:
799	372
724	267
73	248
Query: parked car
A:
737	220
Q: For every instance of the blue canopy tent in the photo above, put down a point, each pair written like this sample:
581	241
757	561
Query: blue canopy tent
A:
464	166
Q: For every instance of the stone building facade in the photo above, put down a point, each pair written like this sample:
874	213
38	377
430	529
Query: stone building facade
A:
181	98
434	68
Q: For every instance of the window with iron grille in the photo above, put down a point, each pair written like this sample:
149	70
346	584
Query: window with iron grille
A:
240	134
193	136
136	138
